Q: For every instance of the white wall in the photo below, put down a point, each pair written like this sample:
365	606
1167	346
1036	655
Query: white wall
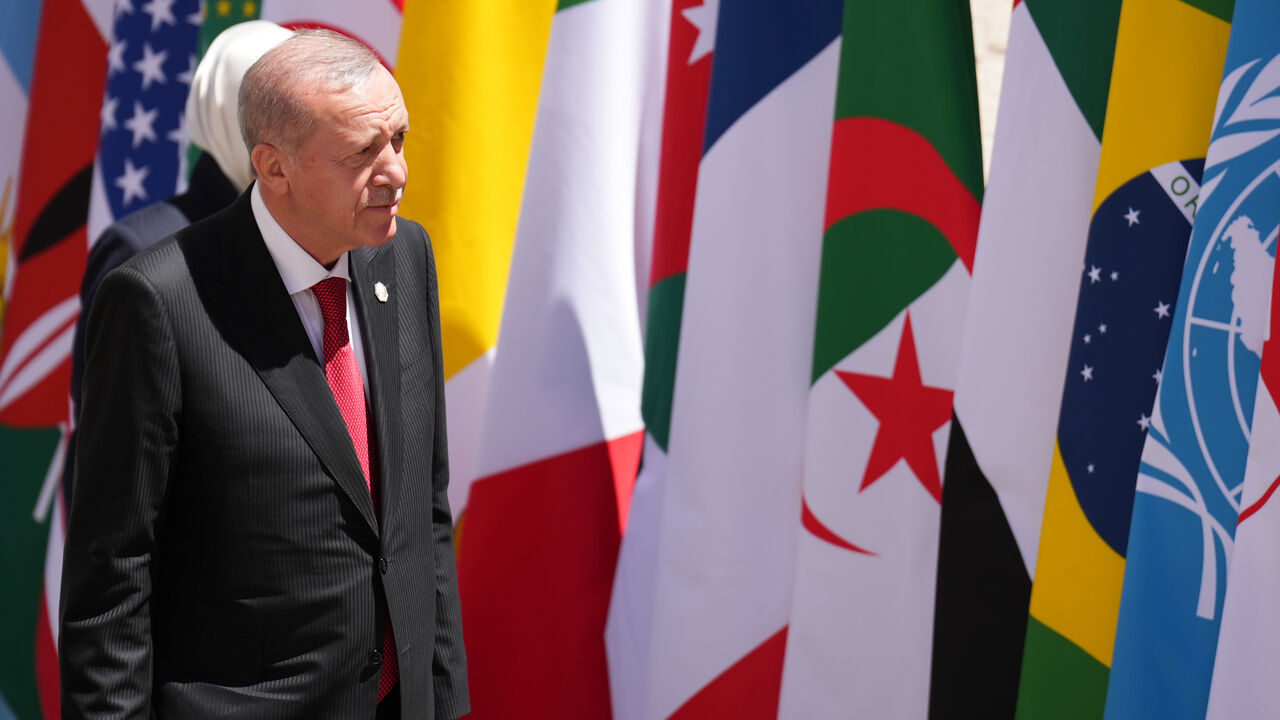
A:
990	33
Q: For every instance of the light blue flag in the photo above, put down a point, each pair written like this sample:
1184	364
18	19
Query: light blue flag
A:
1189	484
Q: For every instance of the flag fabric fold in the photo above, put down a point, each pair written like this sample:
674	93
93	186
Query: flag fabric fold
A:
901	223
723	499
1193	462
470	139
1145	198
44	220
561	432
691	50
1031	241
1242	685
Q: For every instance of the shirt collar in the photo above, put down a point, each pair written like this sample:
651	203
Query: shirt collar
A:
296	266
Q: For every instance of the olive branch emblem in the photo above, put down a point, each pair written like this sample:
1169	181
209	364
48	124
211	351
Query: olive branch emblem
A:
1249	125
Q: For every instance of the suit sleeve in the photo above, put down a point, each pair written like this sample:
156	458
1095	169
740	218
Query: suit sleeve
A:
111	251
449	662
127	439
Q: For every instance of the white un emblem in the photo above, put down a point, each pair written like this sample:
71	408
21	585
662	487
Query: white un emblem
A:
1195	456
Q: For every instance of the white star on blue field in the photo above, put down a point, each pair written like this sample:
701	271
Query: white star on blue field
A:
1132	270
141	153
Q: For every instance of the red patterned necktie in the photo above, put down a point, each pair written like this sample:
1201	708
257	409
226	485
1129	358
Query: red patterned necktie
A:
343	374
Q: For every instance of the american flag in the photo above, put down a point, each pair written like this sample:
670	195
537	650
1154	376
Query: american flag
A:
142	151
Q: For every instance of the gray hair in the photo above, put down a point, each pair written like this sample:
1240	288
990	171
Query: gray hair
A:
271	105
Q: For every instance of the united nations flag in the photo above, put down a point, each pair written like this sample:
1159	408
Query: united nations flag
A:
1189	490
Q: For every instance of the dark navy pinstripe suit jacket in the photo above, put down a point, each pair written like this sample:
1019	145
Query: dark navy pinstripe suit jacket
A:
223	556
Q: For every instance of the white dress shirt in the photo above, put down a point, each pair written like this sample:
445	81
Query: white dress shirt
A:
300	271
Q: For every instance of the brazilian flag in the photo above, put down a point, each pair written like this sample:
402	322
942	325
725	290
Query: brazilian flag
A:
1164	84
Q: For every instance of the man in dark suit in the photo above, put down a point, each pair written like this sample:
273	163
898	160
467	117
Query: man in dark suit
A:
260	527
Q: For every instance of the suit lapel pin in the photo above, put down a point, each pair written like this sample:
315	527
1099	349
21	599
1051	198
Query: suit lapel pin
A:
380	292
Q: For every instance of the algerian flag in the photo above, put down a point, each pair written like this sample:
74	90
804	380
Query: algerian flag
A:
901	226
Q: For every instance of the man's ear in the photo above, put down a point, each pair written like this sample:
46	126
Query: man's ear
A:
271	166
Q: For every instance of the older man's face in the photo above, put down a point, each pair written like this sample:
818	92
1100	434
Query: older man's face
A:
352	170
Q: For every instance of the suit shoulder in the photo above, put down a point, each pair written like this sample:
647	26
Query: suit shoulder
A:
162	265
188	249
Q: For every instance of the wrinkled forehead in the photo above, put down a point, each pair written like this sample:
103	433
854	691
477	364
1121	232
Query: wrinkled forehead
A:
376	101
374	107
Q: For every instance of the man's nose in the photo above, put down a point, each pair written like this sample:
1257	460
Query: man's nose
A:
390	168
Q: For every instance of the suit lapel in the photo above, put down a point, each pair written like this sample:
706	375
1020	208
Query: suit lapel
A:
378	322
251	299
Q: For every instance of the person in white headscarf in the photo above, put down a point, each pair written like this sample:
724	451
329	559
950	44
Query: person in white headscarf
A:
212	111
219	176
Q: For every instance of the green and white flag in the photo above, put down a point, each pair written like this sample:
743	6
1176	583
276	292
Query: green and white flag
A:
901	227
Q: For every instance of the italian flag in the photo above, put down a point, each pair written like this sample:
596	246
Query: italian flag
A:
627	632
539	203
703	590
901	227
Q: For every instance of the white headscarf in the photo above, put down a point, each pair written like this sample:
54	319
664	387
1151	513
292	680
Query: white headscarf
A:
212	107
